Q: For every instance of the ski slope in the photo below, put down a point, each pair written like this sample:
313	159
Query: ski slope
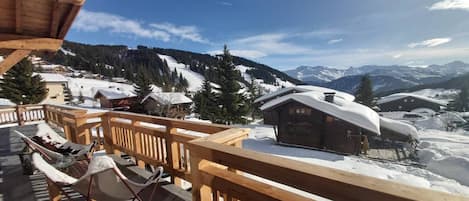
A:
195	80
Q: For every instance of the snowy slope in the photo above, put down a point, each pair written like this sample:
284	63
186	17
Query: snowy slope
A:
262	139
195	80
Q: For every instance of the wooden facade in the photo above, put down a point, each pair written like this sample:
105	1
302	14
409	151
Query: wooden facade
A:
299	124
117	104
408	104
179	111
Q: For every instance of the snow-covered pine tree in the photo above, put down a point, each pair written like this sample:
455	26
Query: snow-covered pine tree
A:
142	85
205	103
364	93
233	106
254	93
20	86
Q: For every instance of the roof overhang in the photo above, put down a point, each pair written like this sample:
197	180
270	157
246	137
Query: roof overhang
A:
33	25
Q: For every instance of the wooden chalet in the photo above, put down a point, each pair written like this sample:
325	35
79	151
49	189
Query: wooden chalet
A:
408	102
167	104
114	98
321	120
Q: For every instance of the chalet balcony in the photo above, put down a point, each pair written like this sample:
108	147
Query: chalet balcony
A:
202	161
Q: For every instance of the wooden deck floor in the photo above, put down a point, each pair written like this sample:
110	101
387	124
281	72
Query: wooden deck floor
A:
15	186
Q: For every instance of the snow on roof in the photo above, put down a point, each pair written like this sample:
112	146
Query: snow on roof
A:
398	96
112	93
305	88
6	102
341	108
52	77
399	127
51	66
172	98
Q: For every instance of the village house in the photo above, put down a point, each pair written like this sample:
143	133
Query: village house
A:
56	86
114	98
408	102
167	104
321	120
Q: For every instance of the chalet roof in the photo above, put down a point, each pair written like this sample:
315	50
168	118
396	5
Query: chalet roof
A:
33	25
398	96
112	93
172	98
304	88
344	109
53	77
399	127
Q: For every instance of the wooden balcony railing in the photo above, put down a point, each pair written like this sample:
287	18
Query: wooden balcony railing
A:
210	156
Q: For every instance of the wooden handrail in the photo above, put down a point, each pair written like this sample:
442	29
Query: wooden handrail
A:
315	179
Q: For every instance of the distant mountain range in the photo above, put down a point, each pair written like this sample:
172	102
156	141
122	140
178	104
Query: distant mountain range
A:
384	78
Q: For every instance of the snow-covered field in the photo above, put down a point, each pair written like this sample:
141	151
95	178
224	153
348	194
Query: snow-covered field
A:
445	154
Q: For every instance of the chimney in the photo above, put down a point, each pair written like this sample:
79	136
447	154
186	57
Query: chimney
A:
329	96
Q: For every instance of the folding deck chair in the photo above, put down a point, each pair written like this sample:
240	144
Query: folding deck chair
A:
103	180
53	146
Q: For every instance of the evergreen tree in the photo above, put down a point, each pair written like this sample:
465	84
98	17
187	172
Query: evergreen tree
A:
364	94
254	93
461	101
142	85
205	103
21	87
233	106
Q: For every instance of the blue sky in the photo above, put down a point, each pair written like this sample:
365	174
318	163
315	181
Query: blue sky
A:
287	33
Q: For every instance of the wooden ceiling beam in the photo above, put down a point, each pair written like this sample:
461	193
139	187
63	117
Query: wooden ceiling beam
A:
12	59
68	21
19	18
11	41
74	2
54	25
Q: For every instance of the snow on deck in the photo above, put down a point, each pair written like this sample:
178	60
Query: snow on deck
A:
262	139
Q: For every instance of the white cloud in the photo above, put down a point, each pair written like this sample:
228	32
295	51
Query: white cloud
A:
397	56
451	5
90	21
269	44
224	3
430	43
333	41
184	32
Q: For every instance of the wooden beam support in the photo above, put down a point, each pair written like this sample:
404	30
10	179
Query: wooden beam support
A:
12	59
19	18
20	42
68	21
54	25
74	2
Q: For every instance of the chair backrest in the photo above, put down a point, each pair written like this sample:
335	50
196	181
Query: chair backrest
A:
49	154
51	172
107	182
46	132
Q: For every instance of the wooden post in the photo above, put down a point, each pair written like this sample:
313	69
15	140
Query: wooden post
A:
137	143
46	114
199	191
54	190
19	114
173	154
107	133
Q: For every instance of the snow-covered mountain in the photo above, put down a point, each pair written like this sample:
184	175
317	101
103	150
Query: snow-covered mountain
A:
167	68
384	77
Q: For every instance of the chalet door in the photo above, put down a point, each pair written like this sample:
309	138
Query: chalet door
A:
341	136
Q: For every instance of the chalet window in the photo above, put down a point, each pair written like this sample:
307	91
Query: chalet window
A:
400	107
405	100
412	100
299	111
